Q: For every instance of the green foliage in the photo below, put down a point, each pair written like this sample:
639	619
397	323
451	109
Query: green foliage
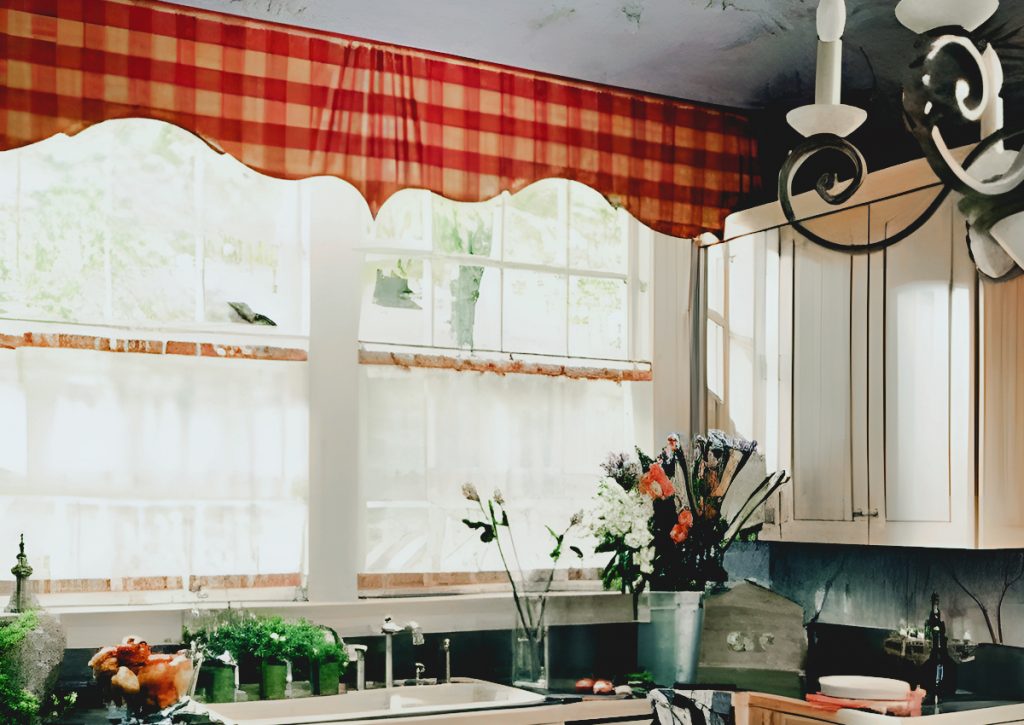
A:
17	705
316	643
243	634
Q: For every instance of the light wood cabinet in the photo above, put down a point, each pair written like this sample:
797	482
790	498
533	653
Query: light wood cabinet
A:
888	383
822	410
757	709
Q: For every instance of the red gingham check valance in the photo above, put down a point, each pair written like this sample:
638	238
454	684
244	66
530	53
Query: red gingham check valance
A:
294	103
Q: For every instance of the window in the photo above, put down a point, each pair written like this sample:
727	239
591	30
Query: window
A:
138	223
552	272
191	465
546	271
158	466
742	339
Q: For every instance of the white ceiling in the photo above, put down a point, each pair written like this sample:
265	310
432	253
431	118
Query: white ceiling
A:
730	52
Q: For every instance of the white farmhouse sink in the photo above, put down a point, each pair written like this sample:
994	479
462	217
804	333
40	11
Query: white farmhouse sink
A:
460	694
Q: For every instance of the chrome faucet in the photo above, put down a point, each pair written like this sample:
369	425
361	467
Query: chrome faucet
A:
389	629
446	645
357	652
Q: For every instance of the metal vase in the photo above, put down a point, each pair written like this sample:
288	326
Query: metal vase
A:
669	645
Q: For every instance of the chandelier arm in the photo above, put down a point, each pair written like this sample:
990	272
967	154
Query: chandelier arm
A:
880	244
830	142
955	174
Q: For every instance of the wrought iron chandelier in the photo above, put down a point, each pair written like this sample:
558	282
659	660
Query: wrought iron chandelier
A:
955	78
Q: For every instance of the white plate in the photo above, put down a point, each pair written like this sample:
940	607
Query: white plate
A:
855	687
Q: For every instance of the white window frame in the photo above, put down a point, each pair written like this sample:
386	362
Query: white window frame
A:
632	230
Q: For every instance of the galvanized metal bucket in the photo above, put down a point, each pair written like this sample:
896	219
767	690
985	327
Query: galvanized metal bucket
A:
669	645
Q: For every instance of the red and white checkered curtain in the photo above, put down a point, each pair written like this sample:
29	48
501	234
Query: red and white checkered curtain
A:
293	103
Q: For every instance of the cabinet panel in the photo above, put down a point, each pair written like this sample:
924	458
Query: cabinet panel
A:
1001	494
822	466
817	328
921	475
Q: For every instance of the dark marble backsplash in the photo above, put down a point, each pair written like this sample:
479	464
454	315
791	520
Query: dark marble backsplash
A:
891	587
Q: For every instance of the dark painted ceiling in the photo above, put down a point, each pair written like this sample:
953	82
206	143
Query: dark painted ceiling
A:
754	54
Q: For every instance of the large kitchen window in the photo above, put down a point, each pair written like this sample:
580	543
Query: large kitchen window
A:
554	275
135	235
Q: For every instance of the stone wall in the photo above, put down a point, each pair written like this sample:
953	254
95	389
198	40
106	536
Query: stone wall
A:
891	587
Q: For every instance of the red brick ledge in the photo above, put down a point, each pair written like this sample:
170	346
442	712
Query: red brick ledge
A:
150	347
435	361
158	583
501	367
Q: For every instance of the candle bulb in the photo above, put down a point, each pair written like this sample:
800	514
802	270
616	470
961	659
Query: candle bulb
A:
829	72
992	116
831	20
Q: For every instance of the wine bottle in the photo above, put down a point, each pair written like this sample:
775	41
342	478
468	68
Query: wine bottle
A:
939	676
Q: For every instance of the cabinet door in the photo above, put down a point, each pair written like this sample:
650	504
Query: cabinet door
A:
763	716
1001	420
921	301
822	328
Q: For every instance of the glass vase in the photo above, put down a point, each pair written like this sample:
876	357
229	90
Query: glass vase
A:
530	643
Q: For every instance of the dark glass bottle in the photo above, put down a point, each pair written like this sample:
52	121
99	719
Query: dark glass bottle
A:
939	676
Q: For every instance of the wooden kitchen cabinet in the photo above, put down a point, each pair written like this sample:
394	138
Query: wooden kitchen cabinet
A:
889	385
920	422
823	402
758	709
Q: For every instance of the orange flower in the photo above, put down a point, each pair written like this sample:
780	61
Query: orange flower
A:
655	483
681	530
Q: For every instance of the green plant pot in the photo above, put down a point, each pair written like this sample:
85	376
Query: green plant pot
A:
248	669
273	679
324	677
221	683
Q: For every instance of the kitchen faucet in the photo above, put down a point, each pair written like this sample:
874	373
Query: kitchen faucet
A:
389	629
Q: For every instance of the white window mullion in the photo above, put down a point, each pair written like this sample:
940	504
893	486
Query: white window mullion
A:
198	177
632	283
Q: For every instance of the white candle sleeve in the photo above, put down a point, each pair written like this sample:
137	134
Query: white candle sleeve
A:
828	76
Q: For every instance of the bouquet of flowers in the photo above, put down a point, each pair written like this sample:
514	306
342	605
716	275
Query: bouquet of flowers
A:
665	519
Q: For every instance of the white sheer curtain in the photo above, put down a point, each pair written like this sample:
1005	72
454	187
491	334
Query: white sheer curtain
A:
126	465
539	439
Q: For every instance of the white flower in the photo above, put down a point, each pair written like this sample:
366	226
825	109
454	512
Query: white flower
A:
646	560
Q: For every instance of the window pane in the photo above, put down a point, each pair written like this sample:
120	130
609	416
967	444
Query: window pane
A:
716	360
153	223
535	224
466	228
741	388
534	312
597	318
467	308
741	287
257	257
396	301
597	232
57	242
404	221
716	279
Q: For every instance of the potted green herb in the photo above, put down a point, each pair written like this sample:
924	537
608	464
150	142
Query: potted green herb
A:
273	648
224	639
323	650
